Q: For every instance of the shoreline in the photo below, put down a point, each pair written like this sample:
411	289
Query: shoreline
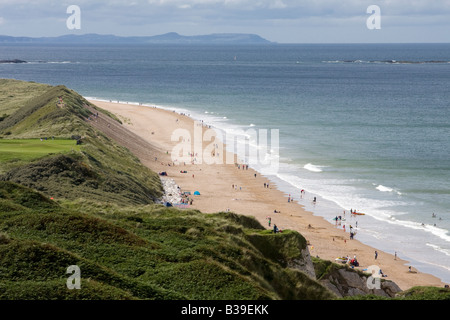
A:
226	187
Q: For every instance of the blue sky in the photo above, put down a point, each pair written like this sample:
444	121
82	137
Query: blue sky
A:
283	21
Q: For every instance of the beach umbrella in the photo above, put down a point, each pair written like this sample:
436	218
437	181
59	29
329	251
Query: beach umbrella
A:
197	193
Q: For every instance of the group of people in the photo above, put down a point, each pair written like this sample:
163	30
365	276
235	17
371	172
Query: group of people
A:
93	117
235	187
275	229
186	200
243	166
45	138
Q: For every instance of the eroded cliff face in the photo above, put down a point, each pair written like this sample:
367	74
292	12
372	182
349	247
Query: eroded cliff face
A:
345	282
291	251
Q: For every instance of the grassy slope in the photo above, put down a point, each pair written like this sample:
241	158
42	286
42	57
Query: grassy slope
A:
104	220
14	94
99	170
146	252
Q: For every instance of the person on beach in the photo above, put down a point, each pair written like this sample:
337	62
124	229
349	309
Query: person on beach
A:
376	255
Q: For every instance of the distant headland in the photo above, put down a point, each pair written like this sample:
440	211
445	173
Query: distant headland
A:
167	38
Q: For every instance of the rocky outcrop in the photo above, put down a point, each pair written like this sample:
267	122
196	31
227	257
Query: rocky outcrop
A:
172	192
304	264
12	61
345	282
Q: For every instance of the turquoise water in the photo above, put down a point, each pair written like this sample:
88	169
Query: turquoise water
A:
365	127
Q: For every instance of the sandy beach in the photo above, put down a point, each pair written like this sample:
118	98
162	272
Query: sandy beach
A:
244	191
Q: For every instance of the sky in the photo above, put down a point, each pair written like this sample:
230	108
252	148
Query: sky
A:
282	21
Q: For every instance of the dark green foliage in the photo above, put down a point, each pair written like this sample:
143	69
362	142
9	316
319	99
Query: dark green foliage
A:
279	247
425	293
44	266
57	290
13	195
72	226
72	177
157	253
324	267
247	222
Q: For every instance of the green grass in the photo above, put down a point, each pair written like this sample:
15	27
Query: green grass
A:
425	293
25	150
14	94
17	198
141	252
40	116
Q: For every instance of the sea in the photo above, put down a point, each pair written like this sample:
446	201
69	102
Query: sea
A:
357	126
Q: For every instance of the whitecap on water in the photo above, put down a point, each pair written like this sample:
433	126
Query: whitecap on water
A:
387	189
312	167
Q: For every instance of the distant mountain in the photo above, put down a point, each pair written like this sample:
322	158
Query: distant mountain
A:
168	38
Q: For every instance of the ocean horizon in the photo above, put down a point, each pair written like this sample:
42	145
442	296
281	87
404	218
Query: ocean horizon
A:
361	126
